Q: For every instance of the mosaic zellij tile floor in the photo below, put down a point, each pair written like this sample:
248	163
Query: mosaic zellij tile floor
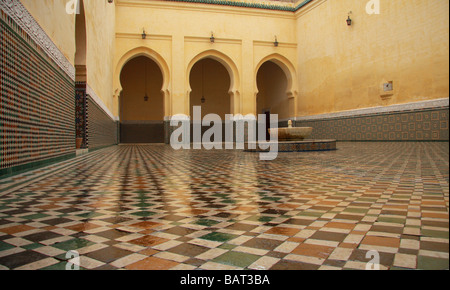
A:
150	207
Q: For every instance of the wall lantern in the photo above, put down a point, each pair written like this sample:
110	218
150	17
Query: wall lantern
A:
349	20
276	42
144	35
212	39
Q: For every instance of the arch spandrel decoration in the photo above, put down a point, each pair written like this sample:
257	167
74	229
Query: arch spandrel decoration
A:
291	76
158	59
232	69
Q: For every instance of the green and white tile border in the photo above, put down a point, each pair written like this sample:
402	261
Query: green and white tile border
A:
280	6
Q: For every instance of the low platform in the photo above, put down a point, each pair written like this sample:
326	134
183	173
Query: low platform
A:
297	146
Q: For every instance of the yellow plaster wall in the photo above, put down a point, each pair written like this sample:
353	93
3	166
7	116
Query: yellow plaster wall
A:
59	26
335	67
100	31
179	32
343	68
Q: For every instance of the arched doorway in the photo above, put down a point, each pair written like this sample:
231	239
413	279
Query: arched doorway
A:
141	102
272	97
219	58
80	79
272	90
210	84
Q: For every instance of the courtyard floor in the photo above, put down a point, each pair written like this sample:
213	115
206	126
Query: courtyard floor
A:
150	207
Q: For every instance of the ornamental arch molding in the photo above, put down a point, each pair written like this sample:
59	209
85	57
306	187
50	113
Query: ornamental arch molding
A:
233	72
291	76
158	59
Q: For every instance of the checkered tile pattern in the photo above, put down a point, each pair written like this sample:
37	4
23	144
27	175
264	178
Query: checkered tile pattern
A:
150	207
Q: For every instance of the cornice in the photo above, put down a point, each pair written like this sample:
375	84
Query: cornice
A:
270	43
206	39
242	4
139	36
303	9
222	6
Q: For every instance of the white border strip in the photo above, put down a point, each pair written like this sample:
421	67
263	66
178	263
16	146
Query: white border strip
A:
100	103
377	110
16	10
139	122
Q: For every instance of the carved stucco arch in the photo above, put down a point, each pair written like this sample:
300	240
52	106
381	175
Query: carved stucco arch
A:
158	59
291	76
233	72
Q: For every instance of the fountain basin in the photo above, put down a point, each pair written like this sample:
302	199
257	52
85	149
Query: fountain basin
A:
292	133
294	146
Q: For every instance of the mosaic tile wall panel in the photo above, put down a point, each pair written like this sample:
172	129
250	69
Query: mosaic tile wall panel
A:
101	129
36	104
419	125
80	111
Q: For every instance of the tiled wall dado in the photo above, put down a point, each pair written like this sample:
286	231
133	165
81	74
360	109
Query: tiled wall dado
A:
429	124
36	104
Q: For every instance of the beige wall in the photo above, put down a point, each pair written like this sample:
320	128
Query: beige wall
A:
343	68
330	67
177	33
133	106
59	26
100	31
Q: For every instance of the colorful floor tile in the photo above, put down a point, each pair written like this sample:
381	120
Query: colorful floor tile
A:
149	207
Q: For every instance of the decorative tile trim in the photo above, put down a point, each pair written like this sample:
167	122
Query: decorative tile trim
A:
297	146
16	10
248	4
433	104
80	112
299	6
15	170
